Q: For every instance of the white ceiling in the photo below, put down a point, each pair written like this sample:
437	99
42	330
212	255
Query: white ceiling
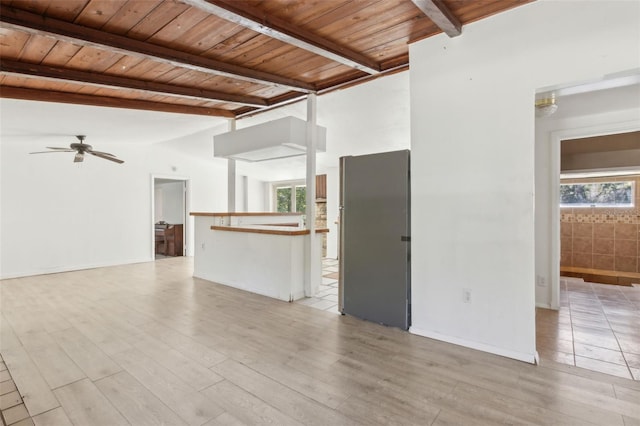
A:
53	123
598	101
371	117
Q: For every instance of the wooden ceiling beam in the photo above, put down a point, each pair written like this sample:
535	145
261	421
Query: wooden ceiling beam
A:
441	16
112	81
32	23
274	27
105	101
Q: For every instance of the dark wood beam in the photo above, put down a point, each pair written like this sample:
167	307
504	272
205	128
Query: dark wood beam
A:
112	81
440	15
32	23
105	101
252	18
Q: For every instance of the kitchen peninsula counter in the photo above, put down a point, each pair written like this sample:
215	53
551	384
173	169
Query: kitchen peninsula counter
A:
265	253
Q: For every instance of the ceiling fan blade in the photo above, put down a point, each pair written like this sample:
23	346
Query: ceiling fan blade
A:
51	152
106	156
80	148
100	152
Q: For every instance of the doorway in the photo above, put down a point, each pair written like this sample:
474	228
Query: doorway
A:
169	201
580	322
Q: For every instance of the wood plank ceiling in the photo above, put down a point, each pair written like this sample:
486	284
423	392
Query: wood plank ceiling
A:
223	58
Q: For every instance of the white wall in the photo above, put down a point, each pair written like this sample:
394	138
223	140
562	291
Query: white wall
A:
472	133
365	119
171	199
42	197
256	199
250	195
578	116
58	216
333	205
158	203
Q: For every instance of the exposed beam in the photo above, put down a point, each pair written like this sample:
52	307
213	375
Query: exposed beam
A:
81	99
111	81
252	18
440	15
32	23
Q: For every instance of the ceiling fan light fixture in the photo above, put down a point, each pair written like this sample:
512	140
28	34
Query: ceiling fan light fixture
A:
81	148
546	106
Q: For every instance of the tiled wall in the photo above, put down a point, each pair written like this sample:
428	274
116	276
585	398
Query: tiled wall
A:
601	238
321	222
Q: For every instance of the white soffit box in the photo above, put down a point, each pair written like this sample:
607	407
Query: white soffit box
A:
282	138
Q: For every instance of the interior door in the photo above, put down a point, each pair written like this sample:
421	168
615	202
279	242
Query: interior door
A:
374	235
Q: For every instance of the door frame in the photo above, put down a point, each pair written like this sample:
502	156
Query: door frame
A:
556	141
186	203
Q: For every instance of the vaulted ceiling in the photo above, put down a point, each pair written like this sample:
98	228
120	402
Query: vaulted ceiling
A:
224	58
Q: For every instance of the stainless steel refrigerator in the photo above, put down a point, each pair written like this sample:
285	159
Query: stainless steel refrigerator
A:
375	251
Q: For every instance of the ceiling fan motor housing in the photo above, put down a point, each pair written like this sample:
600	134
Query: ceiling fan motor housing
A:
81	147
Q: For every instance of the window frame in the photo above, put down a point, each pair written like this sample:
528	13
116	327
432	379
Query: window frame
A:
631	204
293	184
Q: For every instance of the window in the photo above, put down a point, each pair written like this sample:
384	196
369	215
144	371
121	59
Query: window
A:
597	194
283	200
290	197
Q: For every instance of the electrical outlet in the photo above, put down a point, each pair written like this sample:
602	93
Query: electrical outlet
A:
466	295
540	281
202	246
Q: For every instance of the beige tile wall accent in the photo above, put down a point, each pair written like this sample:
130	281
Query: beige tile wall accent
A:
321	222
601	238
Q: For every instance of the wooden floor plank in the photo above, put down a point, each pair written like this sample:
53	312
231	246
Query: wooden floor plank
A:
93	362
184	344
195	375
225	419
387	410
55	365
162	346
628	421
135	402
56	417
191	406
329	395
35	391
626	394
84	404
8	338
245	407
101	336
279	396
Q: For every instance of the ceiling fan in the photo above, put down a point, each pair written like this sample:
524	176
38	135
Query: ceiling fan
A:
80	149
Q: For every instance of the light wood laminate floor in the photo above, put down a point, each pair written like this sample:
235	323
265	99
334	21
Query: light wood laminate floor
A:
147	344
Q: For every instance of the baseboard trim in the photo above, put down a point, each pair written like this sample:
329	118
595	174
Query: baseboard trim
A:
520	356
70	268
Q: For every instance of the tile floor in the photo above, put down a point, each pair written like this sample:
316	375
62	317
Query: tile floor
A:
326	299
12	409
597	328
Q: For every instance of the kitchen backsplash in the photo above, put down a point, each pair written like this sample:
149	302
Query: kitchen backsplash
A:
601	237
